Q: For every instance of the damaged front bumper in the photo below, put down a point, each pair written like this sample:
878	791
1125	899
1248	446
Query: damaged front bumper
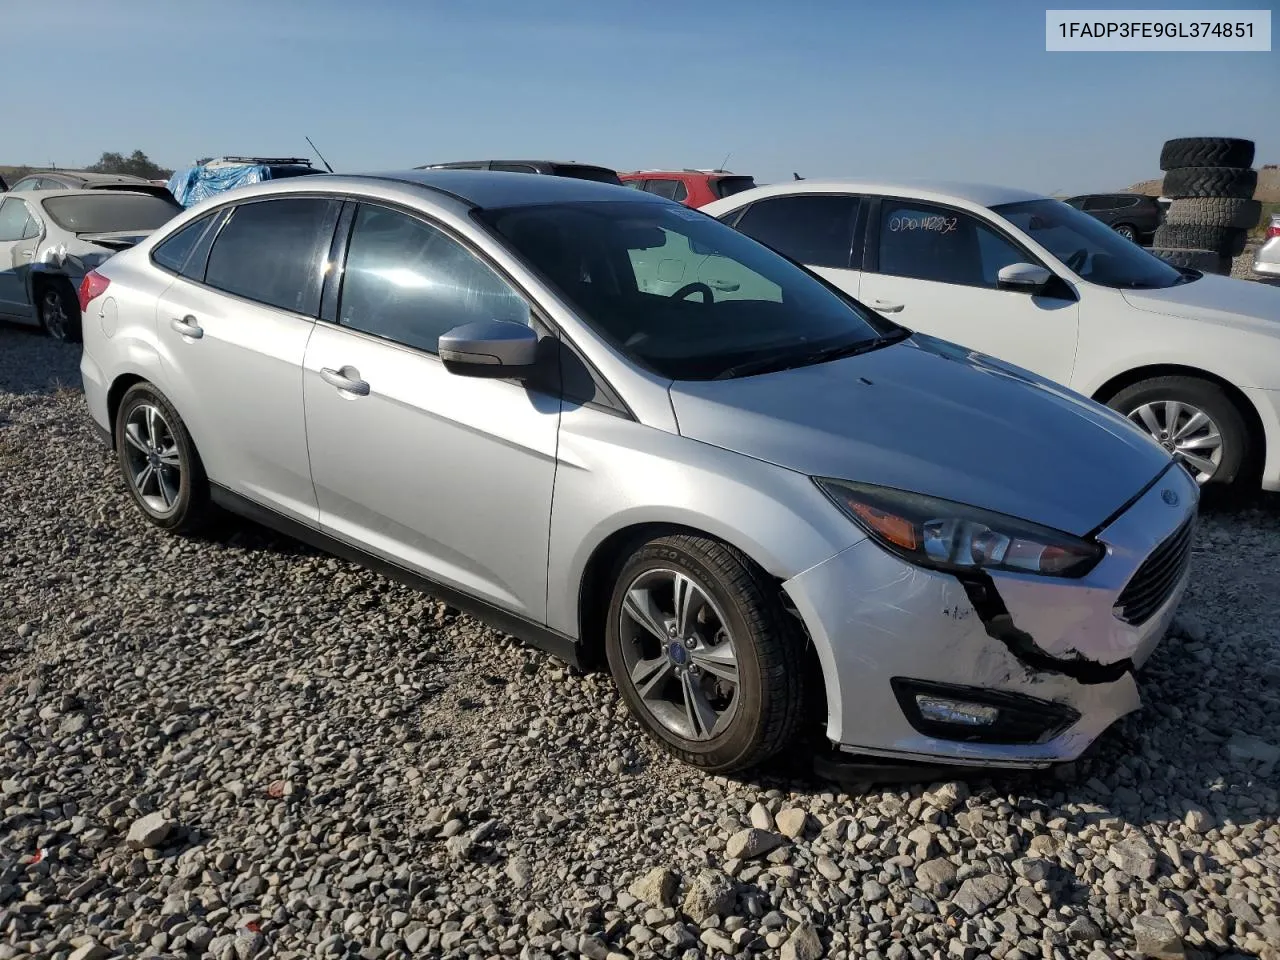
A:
1061	648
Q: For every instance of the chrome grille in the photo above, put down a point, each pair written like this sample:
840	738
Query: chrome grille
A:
1155	580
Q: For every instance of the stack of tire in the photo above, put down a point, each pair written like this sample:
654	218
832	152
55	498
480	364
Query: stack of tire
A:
1211	182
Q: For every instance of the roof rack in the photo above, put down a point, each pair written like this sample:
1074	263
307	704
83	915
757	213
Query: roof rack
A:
269	161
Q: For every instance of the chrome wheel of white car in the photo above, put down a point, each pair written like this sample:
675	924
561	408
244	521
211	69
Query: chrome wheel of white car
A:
1182	429
155	464
1192	418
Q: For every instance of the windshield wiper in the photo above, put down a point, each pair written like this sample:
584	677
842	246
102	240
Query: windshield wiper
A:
787	362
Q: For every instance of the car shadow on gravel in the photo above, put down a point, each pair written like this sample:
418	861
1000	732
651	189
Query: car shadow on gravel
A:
31	364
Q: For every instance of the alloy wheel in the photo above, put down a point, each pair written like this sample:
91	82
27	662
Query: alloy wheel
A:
1126	231
679	655
54	315
1186	430
153	458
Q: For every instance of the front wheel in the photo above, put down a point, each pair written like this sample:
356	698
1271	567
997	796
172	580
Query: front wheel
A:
704	653
1191	417
1126	231
159	462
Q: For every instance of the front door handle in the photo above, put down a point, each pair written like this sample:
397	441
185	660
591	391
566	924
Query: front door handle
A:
348	379
885	306
188	327
28	254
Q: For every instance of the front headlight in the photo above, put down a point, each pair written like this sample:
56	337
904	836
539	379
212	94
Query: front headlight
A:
952	536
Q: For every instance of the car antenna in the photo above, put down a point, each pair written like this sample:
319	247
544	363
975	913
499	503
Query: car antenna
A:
320	155
724	164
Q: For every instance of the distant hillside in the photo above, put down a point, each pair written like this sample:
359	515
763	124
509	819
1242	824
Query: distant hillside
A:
1268	185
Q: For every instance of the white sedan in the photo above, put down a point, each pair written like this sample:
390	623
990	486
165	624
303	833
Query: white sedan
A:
1194	358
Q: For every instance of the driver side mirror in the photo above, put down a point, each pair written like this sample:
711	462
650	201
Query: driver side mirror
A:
1023	277
499	349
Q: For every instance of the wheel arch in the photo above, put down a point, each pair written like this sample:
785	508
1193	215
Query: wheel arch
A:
115	394
595	590
1252	420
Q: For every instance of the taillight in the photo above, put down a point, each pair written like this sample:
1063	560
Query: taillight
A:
1274	229
92	286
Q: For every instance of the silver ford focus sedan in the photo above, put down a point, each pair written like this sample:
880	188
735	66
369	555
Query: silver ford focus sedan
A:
767	509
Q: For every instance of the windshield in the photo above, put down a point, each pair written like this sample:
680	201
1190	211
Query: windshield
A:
679	292
1089	247
110	212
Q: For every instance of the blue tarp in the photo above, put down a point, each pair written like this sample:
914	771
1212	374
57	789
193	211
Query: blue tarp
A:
194	184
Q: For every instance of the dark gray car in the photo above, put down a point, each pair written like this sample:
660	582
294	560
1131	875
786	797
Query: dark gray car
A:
1132	215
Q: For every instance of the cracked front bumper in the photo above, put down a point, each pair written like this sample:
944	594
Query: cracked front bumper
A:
873	617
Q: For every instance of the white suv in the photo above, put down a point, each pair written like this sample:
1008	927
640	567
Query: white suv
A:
1193	358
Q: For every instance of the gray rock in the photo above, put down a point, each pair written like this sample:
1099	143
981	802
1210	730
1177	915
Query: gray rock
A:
593	948
150	831
518	872
90	951
1083	929
803	944
978	894
1134	857
760	817
1241	746
751	843
1156	938
1198	820
935	875
710	894
947	796
1033	869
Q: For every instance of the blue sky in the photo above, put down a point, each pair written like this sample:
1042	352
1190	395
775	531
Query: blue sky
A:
835	88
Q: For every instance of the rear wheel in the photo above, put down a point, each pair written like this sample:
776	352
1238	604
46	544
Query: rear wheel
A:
159	462
1191	417
704	654
59	310
1126	231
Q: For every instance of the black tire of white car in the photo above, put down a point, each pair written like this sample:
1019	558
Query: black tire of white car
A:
1229	212
1206	152
767	641
191	507
1225	241
1203	395
1209	261
1210	182
55	294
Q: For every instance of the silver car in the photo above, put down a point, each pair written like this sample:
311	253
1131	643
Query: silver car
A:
768	510
1266	262
49	239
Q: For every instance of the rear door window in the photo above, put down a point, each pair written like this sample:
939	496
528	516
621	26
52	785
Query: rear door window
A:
662	188
1098	203
272	251
813	229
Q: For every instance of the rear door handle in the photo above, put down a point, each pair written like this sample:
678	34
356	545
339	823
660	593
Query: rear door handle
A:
885	306
28	254
339	379
188	327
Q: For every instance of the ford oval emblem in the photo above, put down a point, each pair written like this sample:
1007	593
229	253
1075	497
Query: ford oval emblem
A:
1169	497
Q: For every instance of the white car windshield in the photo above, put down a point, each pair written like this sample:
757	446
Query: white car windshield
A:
1089	247
684	295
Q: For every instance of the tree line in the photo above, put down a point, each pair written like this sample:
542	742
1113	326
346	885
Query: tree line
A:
136	164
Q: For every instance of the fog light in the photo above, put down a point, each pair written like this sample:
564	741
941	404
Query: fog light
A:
942	710
952	711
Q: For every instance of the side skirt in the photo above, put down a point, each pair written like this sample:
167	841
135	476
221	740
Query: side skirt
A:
535	634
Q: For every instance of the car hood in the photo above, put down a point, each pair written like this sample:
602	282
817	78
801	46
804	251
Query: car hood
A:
1238	303
927	416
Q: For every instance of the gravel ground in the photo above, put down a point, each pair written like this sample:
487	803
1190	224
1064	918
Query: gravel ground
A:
240	747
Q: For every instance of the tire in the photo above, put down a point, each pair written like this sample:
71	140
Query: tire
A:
1206	152
58	310
1204	396
1226	241
188	505
1209	261
1126	230
1210	182
1228	212
764	714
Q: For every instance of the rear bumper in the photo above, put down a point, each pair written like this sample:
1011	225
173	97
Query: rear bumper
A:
876	620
